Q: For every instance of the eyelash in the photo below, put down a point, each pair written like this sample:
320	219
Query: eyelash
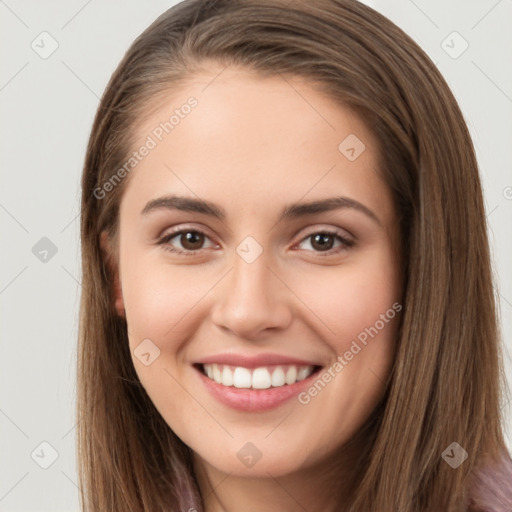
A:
346	243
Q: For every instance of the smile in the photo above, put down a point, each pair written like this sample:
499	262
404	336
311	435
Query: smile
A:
257	383
263	377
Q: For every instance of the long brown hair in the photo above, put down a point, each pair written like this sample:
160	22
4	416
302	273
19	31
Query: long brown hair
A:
447	379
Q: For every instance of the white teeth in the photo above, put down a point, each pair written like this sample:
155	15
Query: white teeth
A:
291	375
278	377
227	376
241	378
216	374
258	378
303	373
261	378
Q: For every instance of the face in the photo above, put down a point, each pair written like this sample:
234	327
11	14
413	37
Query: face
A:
261	305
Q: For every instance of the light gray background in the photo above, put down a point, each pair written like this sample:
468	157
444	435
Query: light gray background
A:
46	112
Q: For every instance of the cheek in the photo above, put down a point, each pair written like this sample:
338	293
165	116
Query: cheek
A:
349	299
158	298
159	302
356	307
362	312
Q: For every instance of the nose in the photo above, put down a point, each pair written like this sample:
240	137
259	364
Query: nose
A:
252	299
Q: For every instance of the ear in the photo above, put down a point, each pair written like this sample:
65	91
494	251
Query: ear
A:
114	272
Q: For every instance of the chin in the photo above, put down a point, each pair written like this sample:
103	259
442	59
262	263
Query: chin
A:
259	459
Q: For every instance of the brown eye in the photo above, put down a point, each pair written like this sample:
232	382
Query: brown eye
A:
327	242
190	240
322	241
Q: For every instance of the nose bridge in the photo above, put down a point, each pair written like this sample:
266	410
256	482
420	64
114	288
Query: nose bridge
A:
251	298
251	275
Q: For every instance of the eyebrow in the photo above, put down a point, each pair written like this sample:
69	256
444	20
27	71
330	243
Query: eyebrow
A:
292	211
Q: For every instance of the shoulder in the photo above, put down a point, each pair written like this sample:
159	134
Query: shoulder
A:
491	487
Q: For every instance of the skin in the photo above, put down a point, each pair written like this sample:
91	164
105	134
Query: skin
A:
252	146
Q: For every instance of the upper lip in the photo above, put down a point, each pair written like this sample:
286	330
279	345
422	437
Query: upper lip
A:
255	361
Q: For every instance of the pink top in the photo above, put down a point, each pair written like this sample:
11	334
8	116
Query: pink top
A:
491	489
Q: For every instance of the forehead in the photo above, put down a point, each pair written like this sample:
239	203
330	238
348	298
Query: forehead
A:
232	137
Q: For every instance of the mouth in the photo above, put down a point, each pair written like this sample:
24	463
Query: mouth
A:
257	389
263	377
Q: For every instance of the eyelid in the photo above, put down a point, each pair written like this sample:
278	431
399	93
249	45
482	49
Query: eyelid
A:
200	228
343	233
347	242
203	229
180	229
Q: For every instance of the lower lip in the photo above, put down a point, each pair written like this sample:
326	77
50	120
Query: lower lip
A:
254	400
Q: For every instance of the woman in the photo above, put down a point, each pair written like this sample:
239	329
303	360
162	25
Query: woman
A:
287	297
